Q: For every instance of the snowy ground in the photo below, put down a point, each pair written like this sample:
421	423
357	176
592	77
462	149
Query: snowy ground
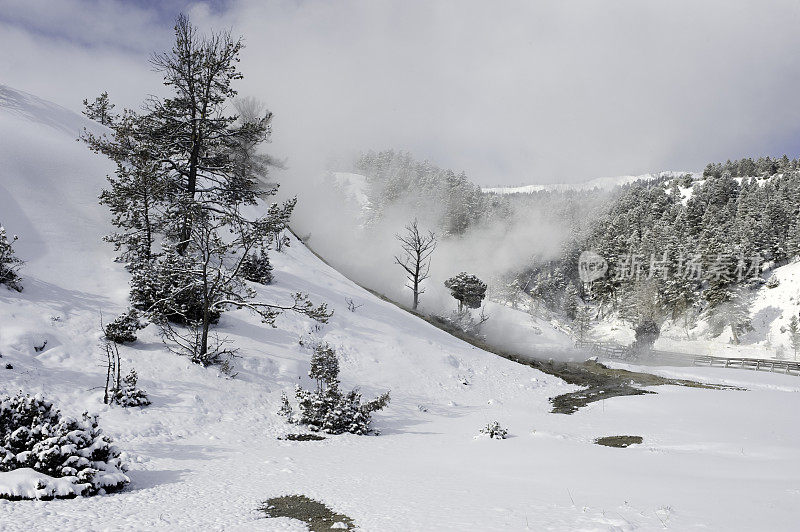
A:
206	453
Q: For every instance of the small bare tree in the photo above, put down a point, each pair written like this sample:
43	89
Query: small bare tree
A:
351	305
417	250
113	376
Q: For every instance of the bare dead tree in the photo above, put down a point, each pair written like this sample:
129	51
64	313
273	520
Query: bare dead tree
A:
113	375
351	305
417	250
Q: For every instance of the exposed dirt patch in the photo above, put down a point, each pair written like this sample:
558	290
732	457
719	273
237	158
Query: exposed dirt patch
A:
570	403
313	513
619	441
602	382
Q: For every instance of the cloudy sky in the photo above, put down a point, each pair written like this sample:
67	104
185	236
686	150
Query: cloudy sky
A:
510	92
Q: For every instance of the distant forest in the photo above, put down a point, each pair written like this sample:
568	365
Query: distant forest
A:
676	247
395	180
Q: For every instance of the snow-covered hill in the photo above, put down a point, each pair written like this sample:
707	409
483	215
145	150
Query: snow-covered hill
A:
603	183
206	453
771	310
353	186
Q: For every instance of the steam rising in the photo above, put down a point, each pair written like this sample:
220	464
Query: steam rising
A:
332	225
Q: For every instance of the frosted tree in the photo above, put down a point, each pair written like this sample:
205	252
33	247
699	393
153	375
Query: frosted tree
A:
324	367
206	155
582	322
256	267
186	173
34	434
9	262
250	111
571	300
139	191
689	319
467	289
733	312
794	334
327	408
643	308
100	110
416	258
511	289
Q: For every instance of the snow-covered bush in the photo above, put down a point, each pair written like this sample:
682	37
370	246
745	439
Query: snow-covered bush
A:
128	394
34	434
494	431
327	408
256	267
773	282
123	329
9	263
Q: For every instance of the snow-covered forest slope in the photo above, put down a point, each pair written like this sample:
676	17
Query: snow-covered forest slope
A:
603	183
706	259
207	453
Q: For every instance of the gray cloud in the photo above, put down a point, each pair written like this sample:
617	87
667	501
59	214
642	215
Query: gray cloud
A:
510	92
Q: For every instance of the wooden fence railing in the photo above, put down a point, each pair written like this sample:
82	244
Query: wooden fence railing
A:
657	356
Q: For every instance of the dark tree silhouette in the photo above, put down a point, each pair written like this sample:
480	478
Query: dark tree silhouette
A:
416	259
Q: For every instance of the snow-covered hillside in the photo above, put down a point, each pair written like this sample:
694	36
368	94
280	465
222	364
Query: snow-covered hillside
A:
770	312
206	453
603	183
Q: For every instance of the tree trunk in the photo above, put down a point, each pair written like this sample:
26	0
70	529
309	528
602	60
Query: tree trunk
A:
416	285
191	187
108	373
203	349
119	371
147	227
191	183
